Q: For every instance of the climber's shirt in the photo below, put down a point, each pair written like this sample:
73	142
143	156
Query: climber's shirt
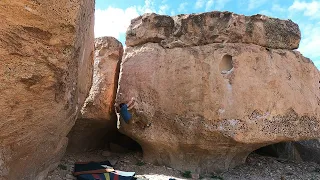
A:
126	116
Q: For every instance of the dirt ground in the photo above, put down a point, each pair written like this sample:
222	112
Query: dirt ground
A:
256	168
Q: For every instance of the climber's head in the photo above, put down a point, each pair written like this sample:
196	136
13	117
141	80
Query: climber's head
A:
122	104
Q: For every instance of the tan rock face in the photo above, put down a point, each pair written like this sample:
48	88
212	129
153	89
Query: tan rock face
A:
213	27
45	74
97	115
99	104
211	105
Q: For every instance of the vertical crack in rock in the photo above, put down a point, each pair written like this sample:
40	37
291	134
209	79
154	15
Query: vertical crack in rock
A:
98	119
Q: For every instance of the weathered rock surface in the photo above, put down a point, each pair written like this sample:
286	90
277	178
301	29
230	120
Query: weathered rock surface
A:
213	27
108	54
45	75
211	105
97	117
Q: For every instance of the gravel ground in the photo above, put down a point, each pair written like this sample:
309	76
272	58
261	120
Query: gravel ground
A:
268	168
124	162
256	168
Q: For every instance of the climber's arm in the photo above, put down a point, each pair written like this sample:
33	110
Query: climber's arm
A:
130	104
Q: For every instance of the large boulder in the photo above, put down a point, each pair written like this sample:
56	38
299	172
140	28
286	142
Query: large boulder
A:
211	105
213	27
98	118
46	52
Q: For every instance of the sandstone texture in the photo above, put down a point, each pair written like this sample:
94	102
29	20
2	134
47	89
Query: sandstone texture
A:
212	103
213	27
108	54
97	117
46	62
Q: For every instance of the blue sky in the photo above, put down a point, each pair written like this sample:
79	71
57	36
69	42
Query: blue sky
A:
113	16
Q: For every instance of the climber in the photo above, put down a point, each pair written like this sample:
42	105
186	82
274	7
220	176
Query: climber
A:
125	114
124	109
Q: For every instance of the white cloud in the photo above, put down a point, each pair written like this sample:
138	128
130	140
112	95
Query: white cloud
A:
310	42
317	63
255	4
209	5
217	4
182	7
113	21
267	13
305	13
199	4
163	9
308	8
220	4
275	11
277	8
148	7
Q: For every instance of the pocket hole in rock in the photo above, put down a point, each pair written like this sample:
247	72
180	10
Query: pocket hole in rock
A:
226	64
